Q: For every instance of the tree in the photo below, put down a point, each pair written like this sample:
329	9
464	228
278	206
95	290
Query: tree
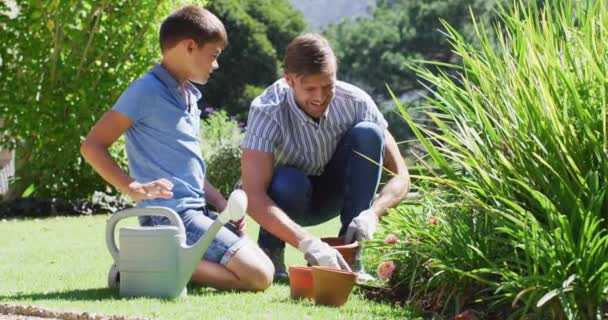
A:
258	33
63	64
375	51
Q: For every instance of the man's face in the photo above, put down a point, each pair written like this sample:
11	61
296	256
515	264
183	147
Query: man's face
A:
203	60
312	93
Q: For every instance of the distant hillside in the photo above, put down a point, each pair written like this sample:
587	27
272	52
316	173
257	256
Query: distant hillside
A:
320	13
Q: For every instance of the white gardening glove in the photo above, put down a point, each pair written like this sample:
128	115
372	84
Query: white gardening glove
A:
319	253
362	227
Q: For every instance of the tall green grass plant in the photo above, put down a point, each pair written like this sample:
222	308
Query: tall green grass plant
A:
516	172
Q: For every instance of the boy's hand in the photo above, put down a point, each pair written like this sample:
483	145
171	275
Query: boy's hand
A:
160	188
240	224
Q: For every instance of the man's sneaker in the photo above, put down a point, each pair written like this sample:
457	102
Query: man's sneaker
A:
113	277
277	256
364	277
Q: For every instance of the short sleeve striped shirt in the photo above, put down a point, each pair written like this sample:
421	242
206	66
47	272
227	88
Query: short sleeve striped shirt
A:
276	125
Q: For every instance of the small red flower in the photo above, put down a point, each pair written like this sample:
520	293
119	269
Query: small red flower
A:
385	270
433	221
466	315
391	239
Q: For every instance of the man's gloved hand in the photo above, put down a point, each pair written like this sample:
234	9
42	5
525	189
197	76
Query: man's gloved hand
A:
362	227
319	253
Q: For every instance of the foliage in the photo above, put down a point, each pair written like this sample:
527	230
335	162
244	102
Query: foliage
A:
376	50
224	168
258	33
99	202
221	138
63	64
398	127
517	171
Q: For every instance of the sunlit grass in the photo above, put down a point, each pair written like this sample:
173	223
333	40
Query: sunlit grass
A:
62	263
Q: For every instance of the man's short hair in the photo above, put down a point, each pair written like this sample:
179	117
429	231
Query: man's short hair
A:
309	54
191	22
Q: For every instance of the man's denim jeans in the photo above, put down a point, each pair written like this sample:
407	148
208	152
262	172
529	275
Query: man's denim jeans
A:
346	187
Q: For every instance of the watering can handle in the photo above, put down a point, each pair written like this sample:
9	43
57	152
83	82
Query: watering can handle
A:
139	212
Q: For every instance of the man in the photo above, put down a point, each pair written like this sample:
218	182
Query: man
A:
313	149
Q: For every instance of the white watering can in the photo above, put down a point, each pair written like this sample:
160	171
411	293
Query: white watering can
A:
155	261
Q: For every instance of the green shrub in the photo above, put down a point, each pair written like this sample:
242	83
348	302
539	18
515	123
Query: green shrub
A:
224	168
221	137
378	48
258	32
64	63
519	172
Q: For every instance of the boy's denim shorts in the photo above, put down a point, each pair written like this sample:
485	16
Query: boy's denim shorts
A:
197	221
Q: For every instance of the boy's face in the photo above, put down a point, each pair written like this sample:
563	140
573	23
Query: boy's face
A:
312	93
202	61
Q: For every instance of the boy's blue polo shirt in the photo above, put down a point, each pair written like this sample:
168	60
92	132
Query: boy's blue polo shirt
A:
164	141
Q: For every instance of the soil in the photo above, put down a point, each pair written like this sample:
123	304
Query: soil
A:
19	312
391	295
20	317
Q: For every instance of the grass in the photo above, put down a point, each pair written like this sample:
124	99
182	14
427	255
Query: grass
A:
61	263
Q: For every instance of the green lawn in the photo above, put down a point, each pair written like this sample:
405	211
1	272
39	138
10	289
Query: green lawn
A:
61	263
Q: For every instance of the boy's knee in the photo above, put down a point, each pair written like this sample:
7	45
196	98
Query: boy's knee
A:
253	268
260	279
261	274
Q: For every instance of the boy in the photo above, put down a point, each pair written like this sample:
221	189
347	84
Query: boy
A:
159	115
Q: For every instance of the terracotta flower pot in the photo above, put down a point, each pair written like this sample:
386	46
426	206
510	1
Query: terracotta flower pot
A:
332	286
348	251
300	282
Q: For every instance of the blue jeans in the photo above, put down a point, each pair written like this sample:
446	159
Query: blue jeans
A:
223	247
346	187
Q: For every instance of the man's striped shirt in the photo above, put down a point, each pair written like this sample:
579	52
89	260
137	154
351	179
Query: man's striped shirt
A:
276	125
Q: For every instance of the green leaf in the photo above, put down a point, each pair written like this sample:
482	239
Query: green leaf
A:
30	189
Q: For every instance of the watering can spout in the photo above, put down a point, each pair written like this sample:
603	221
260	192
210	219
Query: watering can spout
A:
190	255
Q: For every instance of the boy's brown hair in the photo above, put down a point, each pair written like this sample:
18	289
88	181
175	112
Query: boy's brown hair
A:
309	54
191	22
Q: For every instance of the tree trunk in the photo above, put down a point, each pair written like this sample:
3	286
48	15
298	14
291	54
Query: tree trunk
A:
7	167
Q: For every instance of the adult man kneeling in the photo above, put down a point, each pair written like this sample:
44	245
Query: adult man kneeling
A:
311	152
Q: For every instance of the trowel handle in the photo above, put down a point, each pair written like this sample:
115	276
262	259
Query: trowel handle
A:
139	212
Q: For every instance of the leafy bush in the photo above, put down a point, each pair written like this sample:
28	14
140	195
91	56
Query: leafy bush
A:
99	203
377	49
64	63
258	32
221	137
224	168
513	207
